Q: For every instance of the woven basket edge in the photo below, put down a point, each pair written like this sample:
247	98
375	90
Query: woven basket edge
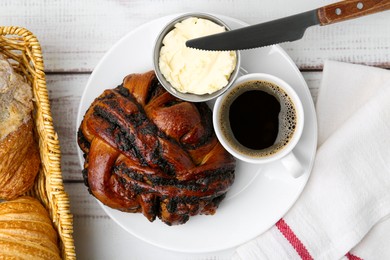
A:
53	188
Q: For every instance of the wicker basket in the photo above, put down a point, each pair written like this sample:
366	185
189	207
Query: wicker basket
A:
23	50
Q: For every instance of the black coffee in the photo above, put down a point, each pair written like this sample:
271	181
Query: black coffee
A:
258	118
254	119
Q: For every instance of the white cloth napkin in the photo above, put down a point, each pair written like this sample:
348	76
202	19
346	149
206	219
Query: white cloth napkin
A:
348	192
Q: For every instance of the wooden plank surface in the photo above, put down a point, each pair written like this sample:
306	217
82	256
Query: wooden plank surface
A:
76	34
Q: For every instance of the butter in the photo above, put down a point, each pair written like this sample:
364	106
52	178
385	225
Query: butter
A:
190	70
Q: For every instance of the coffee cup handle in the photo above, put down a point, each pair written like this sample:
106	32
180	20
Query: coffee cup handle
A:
292	164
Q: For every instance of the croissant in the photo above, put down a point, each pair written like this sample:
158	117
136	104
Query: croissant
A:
147	151
26	231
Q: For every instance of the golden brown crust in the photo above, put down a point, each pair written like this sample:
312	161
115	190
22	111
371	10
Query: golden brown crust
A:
26	231
19	162
19	152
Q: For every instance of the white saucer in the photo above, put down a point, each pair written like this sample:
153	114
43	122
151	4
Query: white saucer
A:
259	197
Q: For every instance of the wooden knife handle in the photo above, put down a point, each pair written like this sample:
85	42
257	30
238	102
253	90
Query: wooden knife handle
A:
350	9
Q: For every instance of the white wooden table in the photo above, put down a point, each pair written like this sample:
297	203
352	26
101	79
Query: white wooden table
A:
75	35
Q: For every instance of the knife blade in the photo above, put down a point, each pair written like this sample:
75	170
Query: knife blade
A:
289	28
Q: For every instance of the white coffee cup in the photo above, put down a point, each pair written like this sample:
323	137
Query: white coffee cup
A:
233	113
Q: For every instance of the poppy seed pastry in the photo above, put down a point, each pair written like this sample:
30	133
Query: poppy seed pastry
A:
150	152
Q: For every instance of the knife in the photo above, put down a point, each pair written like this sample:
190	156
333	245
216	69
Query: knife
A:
289	28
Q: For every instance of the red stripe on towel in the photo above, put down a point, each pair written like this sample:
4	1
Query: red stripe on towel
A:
294	240
352	257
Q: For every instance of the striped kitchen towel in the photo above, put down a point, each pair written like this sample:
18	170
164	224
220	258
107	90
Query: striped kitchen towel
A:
343	213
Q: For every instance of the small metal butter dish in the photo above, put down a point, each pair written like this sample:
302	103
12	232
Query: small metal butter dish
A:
156	55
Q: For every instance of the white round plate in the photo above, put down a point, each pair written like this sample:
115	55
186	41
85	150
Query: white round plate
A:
260	195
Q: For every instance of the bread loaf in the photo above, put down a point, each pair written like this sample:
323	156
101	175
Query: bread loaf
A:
19	152
26	231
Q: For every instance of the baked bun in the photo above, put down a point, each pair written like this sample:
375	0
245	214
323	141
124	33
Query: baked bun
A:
19	152
147	151
26	231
